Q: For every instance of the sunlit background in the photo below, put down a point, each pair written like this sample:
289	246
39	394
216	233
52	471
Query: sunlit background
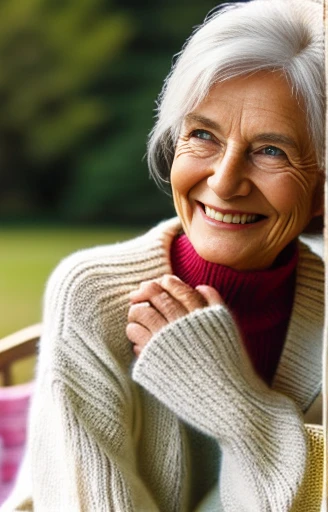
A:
78	84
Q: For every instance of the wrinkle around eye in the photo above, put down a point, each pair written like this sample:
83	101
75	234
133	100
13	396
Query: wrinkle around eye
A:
193	147
182	148
290	173
302	165
302	184
198	147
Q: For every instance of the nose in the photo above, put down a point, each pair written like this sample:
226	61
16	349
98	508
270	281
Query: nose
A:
230	175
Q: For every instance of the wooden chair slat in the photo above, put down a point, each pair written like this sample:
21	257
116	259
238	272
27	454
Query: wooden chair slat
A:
16	346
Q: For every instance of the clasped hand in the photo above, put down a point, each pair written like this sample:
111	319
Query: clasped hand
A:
161	301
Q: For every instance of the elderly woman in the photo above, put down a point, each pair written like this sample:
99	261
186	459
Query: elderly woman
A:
175	369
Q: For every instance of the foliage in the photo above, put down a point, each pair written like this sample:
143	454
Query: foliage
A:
52	53
111	177
78	84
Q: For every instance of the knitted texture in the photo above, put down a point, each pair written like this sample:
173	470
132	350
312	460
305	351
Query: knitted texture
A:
263	318
310	494
202	351
98	441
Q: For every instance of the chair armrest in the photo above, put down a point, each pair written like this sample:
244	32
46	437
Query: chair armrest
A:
19	344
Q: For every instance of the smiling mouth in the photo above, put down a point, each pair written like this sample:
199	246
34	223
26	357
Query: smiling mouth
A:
232	218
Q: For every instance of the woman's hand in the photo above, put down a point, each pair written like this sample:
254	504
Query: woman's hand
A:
157	303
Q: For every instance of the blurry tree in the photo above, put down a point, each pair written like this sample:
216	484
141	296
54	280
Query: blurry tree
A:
51	55
111	176
78	84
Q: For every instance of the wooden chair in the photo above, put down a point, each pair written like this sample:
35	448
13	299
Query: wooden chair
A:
17	346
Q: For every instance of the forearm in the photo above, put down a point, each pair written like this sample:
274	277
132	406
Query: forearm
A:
197	367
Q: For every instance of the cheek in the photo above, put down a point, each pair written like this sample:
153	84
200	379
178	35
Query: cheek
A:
289	196
180	191
185	174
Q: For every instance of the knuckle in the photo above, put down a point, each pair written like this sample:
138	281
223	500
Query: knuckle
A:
164	297
150	286
171	280
168	305
132	313
138	310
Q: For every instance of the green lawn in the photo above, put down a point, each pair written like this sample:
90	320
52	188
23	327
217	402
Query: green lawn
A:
28	255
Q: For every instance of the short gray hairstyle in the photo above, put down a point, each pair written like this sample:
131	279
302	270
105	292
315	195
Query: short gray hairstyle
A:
237	39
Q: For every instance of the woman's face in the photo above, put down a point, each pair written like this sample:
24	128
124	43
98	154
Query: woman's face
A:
244	176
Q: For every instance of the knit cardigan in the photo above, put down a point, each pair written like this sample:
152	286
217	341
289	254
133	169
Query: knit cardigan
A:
108	433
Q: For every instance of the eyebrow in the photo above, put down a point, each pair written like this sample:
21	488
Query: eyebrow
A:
192	117
271	137
276	138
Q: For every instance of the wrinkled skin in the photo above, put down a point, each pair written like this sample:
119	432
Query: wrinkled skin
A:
246	154
160	302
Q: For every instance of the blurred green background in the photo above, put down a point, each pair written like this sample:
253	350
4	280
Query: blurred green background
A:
78	84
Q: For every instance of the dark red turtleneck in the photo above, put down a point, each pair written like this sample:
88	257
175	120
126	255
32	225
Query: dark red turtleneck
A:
261	301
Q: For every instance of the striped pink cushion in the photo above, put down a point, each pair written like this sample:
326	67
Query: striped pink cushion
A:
15	398
14	404
11	459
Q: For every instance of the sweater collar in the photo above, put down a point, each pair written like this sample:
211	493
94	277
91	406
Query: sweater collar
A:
258	285
299	373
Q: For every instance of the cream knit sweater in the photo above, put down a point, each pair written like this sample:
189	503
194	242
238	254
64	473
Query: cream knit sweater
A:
110	434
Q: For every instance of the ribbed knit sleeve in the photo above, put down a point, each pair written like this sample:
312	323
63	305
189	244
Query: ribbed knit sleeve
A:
86	414
98	441
196	366
83	424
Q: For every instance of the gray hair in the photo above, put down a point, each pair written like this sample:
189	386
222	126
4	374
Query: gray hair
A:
235	40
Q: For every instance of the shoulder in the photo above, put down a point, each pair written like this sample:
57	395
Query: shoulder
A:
311	266
310	283
90	276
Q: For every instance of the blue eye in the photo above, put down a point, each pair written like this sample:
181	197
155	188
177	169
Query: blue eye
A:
273	151
202	134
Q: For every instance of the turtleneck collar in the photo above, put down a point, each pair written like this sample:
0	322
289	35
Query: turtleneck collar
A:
261	301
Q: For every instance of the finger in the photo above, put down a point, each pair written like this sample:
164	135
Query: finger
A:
145	291
137	334
168	307
144	314
190	298
137	350
211	296
153	292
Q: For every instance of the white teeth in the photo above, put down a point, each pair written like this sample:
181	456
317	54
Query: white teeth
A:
230	218
218	216
227	218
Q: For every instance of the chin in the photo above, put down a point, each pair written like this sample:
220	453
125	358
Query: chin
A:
212	256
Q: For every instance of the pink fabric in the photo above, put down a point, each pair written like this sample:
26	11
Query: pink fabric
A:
15	398
14	405
11	459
